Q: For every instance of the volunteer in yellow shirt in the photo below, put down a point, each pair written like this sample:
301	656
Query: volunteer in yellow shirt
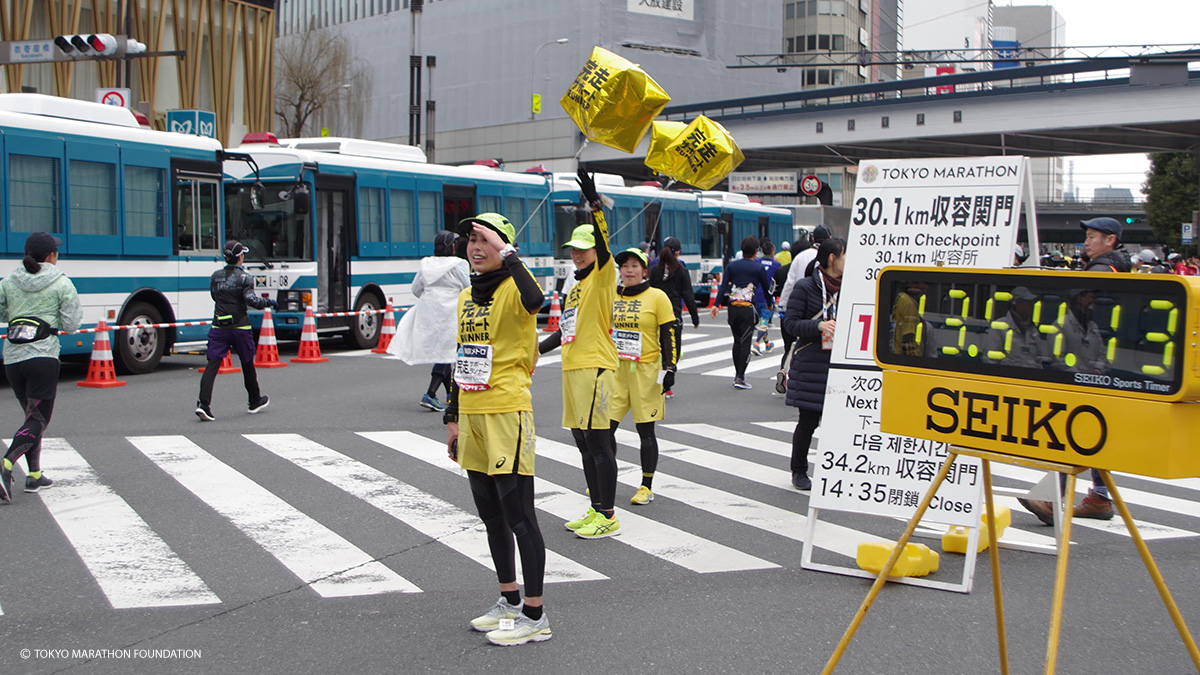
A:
589	358
643	330
489	421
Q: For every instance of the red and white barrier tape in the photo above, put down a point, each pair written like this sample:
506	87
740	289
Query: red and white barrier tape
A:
207	322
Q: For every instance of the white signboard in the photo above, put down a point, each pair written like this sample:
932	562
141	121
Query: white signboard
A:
678	9
33	51
764	182
960	212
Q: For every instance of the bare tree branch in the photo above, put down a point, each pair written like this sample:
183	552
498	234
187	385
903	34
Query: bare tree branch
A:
311	79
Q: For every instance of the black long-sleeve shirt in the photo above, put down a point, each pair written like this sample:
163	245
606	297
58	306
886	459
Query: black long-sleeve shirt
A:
678	287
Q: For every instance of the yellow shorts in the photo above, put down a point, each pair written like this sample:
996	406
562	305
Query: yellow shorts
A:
496	443
587	393
637	388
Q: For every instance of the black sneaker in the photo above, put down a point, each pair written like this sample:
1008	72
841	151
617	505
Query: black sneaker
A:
801	481
257	407
781	382
5	484
35	484
739	383
204	412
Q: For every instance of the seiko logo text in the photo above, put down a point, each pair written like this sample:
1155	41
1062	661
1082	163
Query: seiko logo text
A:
1009	419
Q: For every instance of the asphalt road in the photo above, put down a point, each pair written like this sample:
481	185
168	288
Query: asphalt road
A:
327	535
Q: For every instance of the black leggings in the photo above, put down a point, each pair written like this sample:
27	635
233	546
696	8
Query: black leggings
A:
742	322
648	446
439	377
599	465
802	439
28	439
35	384
505	505
209	378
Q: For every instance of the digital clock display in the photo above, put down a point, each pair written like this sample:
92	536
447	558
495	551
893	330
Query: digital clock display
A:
1116	332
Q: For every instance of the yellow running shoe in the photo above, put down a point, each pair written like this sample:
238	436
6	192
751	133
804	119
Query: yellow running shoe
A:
643	496
599	527
574	525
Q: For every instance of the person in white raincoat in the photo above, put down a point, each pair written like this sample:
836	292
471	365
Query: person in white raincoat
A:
426	333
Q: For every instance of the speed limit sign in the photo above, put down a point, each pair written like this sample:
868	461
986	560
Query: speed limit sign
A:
810	185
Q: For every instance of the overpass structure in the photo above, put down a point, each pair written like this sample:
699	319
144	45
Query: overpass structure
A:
1146	103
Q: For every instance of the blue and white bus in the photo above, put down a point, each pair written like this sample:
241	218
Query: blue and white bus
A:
339	224
138	212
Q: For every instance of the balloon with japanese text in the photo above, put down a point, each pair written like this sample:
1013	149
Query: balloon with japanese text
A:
661	135
703	154
613	101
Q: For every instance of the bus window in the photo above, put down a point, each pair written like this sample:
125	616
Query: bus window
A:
566	218
429	217
197	228
33	194
710	239
93	198
272	232
145	202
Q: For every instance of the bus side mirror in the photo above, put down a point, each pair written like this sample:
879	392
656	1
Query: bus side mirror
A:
301	200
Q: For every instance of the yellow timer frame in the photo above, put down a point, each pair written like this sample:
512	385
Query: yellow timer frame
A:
1071	367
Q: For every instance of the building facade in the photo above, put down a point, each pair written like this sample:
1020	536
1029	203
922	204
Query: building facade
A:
214	55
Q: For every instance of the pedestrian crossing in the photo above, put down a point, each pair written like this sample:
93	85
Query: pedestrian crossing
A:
735	479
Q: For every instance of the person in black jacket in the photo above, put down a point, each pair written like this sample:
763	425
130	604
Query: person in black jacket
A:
743	280
812	317
671	276
232	290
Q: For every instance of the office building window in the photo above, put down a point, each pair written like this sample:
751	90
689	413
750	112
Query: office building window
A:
822	42
838	43
791	45
789	10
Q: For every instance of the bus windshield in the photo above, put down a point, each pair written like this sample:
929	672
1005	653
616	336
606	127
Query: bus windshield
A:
274	231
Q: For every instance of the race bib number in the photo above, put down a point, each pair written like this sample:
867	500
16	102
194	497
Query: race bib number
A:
567	325
473	367
629	344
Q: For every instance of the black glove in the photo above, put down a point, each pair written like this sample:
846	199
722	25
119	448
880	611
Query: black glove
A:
587	184
668	380
272	303
695	322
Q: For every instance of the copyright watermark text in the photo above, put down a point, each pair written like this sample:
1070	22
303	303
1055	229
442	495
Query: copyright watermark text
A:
96	654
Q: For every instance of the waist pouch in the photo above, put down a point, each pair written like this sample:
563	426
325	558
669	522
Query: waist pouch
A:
223	321
25	329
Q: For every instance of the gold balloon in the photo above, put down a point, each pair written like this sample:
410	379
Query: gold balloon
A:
613	101
661	135
703	154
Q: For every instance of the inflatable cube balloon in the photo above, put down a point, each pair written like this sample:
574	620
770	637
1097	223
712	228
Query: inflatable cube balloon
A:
703	154
661	135
613	101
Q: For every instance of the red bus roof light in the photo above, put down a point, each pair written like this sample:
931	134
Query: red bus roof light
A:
260	137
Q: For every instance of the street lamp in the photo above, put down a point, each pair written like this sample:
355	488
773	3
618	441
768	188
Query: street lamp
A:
536	99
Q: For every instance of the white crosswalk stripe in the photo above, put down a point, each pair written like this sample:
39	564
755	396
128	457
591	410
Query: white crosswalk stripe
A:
332	566
134	567
131	564
429	515
668	543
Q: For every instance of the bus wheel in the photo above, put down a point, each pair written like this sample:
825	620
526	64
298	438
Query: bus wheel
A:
364	328
138	350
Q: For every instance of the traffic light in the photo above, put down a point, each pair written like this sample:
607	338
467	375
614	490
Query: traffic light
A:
1129	220
96	44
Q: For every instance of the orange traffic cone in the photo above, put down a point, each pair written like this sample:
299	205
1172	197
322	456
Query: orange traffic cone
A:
101	372
267	355
555	314
387	331
712	294
310	347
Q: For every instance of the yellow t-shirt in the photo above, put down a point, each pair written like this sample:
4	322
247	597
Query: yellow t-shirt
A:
587	315
636	320
496	354
784	257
